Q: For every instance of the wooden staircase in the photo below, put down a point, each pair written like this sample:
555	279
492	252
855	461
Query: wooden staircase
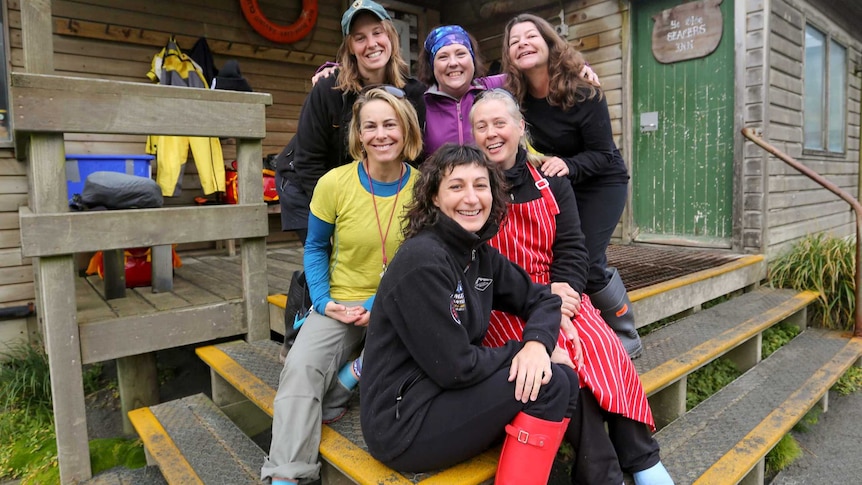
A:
722	440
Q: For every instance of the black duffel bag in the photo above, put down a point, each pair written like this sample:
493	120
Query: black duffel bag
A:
114	190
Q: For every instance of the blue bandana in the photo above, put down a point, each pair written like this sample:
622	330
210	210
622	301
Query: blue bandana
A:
446	35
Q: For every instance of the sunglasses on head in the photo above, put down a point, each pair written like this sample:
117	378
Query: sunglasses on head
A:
484	93
394	91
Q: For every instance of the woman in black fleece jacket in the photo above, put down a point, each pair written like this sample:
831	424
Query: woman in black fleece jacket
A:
432	395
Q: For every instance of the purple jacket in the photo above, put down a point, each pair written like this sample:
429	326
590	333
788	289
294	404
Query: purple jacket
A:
448	119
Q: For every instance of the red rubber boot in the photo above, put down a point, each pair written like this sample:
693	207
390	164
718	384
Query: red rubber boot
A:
529	450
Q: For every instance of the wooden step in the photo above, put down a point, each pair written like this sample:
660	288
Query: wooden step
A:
192	441
276	312
253	369
725	438
732	328
666	299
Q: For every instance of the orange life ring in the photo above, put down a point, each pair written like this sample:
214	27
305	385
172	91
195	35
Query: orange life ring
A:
283	34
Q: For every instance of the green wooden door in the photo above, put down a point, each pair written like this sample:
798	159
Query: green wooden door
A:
682	172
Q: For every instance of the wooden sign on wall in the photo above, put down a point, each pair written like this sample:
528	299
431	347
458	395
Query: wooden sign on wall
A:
687	31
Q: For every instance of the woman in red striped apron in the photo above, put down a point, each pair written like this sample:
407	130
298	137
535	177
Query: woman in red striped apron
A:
542	234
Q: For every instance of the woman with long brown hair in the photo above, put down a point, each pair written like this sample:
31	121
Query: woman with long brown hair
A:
570	124
369	55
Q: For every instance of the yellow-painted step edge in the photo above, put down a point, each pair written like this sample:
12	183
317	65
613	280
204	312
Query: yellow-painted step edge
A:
277	300
737	462
257	391
675	283
364	469
338	450
162	448
671	371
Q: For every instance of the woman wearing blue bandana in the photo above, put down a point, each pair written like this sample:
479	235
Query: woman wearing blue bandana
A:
452	66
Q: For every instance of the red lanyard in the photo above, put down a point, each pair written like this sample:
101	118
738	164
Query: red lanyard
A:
384	237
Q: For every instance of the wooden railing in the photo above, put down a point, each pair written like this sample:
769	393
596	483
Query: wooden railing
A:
49	106
854	203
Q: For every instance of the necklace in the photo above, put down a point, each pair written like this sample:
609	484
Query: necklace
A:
384	236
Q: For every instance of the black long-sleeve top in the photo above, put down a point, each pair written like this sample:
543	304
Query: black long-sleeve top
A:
581	136
425	335
324	123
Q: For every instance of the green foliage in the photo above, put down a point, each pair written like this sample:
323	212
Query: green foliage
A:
108	453
25	379
28	444
566	453
776	336
785	452
825	264
811	418
708	380
92	375
850	382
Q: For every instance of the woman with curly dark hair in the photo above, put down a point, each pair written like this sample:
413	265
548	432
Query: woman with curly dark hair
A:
432	394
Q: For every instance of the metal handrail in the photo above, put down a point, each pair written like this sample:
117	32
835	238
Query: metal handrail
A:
854	203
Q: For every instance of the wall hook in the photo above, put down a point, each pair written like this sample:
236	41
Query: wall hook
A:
562	29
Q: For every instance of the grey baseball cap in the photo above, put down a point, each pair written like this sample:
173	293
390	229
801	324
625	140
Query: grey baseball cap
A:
358	6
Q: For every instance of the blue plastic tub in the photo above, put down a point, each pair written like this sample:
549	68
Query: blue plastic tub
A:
79	166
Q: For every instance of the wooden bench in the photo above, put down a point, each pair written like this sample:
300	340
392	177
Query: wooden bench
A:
47	107
733	328
253	369
726	437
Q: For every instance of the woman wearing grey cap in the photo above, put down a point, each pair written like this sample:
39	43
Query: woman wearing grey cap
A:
370	54
309	391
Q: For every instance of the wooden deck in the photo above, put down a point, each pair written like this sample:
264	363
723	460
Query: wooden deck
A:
210	277
204	278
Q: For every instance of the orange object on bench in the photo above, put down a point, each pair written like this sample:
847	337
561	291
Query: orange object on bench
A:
138	265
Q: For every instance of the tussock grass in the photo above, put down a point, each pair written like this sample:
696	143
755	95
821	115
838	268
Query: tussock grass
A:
785	452
825	264
25	381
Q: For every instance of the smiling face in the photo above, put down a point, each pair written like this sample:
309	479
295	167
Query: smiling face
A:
465	196
454	69
527	48
496	131
370	43
380	132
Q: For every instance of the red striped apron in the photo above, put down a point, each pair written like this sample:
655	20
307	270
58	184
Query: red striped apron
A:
526	237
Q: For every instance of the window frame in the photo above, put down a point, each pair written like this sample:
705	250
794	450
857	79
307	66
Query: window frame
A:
828	42
8	141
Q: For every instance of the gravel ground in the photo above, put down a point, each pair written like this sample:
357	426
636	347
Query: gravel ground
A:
182	372
831	447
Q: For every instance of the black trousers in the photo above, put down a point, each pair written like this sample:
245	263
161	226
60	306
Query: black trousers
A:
600	208
602	456
463	423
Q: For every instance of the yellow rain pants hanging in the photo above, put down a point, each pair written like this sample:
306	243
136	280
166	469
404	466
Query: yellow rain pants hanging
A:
171	154
174	68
